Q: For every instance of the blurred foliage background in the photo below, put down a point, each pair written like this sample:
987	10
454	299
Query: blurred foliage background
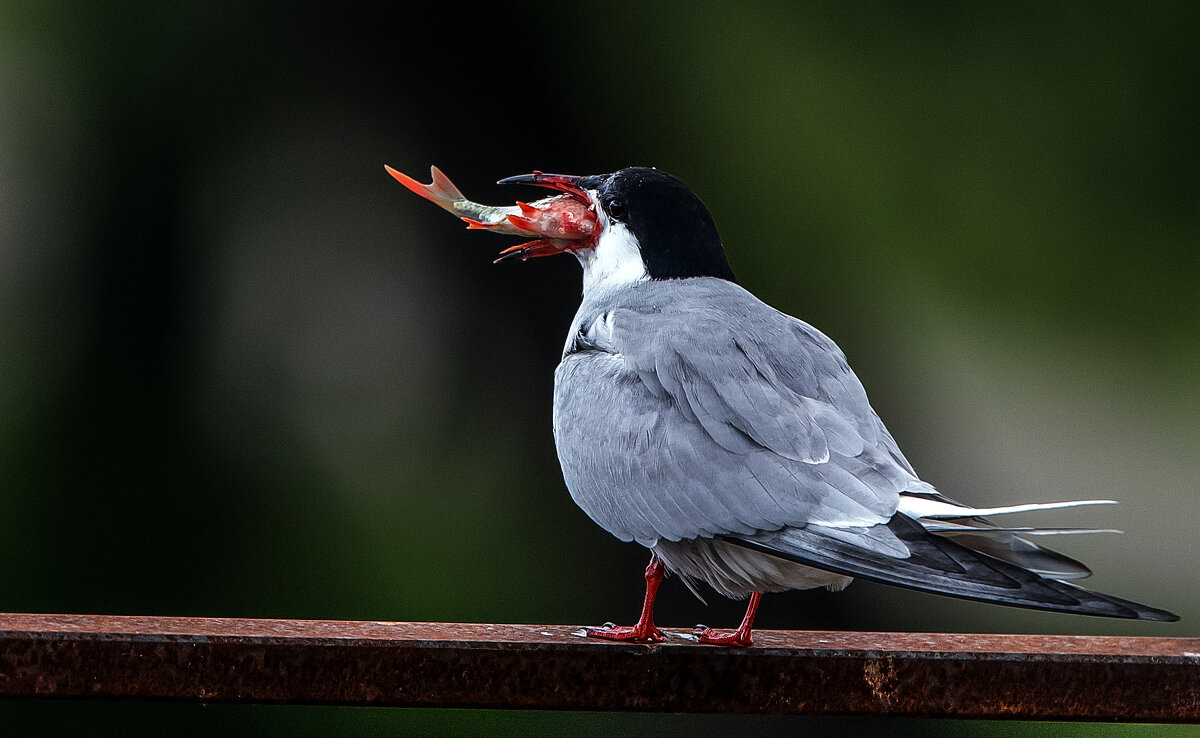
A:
244	373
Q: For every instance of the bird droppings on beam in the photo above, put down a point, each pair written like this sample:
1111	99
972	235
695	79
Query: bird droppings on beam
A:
1030	677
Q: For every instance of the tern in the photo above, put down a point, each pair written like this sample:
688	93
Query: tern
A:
733	440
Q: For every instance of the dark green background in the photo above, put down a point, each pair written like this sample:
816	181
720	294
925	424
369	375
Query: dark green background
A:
244	373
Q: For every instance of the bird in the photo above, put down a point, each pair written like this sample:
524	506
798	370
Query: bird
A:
734	441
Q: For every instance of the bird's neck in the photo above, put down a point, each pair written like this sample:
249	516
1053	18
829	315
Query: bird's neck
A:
614	262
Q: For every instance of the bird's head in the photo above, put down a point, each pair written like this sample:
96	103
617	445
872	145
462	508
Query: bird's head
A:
648	226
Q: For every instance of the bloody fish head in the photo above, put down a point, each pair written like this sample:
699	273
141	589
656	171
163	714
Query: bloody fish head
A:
565	223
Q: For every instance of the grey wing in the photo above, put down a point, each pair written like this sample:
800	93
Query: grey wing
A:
706	431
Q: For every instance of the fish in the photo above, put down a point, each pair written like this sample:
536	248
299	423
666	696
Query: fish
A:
557	223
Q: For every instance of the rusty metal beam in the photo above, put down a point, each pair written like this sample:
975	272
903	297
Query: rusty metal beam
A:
1037	677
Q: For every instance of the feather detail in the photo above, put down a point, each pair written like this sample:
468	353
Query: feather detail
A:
946	528
941	507
938	564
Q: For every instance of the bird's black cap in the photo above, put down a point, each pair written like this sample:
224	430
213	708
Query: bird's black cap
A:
673	228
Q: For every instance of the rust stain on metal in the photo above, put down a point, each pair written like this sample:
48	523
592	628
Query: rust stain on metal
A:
880	675
549	667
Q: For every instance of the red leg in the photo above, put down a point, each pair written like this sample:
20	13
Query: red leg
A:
644	631
741	636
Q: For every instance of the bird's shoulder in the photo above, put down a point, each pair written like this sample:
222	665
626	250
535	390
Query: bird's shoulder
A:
703	320
740	368
700	304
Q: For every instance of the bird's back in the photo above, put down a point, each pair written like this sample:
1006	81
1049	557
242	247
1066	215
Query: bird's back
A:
689	408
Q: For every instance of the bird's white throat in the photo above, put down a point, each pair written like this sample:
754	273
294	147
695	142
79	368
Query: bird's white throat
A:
615	261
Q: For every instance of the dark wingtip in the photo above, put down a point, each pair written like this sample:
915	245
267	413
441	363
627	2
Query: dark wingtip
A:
1159	616
941	566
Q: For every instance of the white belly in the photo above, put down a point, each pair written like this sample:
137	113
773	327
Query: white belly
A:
738	572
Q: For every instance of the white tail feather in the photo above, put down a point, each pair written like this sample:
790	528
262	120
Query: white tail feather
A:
924	507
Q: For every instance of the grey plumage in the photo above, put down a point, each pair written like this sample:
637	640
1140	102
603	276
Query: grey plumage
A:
662	436
736	443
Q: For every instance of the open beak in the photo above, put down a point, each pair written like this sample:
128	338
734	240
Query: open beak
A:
564	183
563	228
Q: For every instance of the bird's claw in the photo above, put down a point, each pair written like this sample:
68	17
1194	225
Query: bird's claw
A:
705	634
640	633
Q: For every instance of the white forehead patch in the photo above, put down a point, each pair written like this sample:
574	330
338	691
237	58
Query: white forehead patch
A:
615	261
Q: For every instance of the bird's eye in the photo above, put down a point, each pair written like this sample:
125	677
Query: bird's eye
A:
616	208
